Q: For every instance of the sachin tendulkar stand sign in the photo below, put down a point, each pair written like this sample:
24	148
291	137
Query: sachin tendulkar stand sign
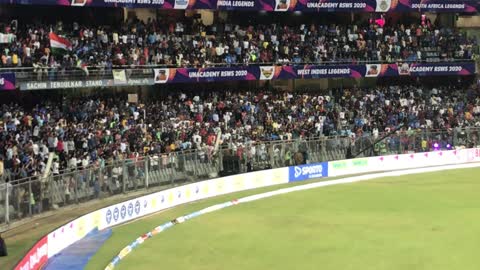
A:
82	84
308	171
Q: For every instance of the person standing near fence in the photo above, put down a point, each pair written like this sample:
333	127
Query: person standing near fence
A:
3	247
2	177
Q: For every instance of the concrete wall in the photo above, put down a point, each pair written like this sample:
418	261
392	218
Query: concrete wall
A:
472	21
143	13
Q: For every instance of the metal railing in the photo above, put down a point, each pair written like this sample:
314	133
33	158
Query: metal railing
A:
31	196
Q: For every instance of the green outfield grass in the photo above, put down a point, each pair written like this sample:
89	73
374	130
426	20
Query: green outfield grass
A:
424	221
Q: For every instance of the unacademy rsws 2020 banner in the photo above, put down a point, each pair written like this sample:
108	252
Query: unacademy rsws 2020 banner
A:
469	6
305	5
7	81
214	74
436	69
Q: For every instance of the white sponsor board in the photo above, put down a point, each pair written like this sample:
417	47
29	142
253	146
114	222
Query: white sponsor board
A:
72	232
139	207
400	162
145	205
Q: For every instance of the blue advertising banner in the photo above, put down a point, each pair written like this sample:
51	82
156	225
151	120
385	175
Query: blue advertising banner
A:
249	73
436	69
467	6
308	171
255	73
7	81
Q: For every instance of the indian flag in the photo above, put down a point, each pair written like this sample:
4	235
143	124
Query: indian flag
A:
59	45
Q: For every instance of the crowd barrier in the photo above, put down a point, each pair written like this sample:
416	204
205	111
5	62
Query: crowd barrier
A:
180	167
53	243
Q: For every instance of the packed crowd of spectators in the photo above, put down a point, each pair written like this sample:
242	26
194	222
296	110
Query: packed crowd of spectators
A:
190	43
99	130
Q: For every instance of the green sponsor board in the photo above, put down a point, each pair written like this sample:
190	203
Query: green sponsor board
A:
350	164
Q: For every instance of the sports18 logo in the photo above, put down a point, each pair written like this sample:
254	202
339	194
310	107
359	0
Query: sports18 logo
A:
316	169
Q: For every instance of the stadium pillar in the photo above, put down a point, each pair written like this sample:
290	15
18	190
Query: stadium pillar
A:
220	159
146	172
196	162
7	214
77	180
39	205
30	195
125	177
50	191
272	156
100	182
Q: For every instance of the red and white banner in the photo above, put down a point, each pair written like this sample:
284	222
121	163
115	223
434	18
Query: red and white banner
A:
36	257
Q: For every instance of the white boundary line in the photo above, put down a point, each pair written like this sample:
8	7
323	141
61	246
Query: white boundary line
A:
125	251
